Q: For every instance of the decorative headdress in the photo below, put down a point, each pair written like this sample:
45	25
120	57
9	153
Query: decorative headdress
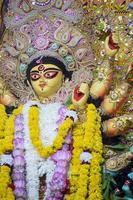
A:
42	28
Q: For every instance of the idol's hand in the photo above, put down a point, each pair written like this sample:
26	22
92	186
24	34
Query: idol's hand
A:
118	125
6	97
80	95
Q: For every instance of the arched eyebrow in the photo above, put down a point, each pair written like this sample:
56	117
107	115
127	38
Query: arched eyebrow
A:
51	69
34	71
55	69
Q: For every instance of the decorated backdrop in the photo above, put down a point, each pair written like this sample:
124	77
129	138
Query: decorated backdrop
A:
66	100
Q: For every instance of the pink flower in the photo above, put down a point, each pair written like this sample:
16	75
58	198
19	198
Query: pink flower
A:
62	110
18	143
19	161
19	183
18	119
20	192
58	182
66	147
62	155
18	152
18	169
62	163
18	134
19	127
61	170
20	198
18	176
60	121
58	195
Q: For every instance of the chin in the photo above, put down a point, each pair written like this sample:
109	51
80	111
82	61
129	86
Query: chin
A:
46	94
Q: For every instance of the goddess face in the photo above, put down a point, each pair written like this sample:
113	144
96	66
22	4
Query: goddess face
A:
46	79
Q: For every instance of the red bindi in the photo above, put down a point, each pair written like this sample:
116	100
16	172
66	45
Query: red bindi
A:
41	67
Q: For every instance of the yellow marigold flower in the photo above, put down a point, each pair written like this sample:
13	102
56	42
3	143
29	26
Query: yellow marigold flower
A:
79	198
69	197
86	136
5	169
18	110
10	195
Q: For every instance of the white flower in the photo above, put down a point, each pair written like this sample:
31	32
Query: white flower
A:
71	113
6	159
85	157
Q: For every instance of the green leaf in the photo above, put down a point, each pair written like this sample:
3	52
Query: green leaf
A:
107	191
69	101
113	181
104	185
118	146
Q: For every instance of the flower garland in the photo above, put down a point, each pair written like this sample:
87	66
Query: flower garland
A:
18	175
43	151
56	181
85	178
9	131
3	119
36	166
5	181
57	186
6	144
31	157
94	121
86	138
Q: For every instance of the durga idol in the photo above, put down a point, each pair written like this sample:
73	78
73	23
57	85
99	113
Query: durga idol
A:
51	157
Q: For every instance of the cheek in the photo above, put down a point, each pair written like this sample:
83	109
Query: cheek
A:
57	81
35	84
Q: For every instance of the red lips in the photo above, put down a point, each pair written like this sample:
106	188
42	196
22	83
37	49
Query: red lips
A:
77	94
42	85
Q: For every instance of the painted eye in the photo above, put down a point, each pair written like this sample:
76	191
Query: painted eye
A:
34	77
50	75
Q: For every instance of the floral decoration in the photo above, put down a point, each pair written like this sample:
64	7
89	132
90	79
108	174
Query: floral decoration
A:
5	184
34	134
86	138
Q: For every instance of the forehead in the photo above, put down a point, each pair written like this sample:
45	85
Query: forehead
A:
44	66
